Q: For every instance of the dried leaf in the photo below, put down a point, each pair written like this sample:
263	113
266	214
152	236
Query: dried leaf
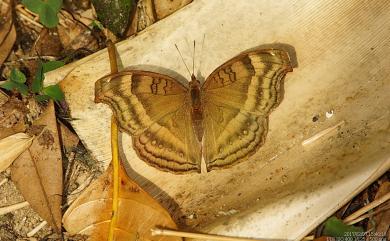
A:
91	213
12	115
11	147
68	138
48	43
381	221
7	30
75	35
322	238
143	17
3	98
37	173
164	8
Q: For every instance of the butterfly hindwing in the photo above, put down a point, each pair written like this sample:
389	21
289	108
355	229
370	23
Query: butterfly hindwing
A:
153	109
237	100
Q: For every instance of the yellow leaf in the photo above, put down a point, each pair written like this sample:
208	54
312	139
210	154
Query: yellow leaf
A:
138	212
11	147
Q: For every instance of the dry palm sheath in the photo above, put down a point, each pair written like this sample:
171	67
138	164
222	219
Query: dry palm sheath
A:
224	120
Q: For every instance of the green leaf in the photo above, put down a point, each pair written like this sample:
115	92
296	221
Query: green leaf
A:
52	65
8	85
48	16
22	88
97	24
47	10
114	14
334	227
54	92
33	5
17	76
55	5
41	98
11	85
37	82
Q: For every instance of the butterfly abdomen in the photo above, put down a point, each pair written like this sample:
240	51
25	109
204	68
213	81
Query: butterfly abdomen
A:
196	108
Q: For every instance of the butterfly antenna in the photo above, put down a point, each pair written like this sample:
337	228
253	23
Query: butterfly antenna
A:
183	61
201	52
193	60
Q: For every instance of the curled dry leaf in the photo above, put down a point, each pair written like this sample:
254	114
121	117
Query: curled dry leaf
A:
7	30
91	213
164	8
11	147
142	17
150	11
37	173
75	35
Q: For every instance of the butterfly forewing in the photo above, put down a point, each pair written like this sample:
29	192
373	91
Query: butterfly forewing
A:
237	99
153	108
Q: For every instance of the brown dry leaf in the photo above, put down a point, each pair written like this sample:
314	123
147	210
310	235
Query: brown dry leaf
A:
7	30
12	115
150	11
322	238
68	138
37	173
75	35
91	213
382	219
28	25
3	98
164	8
11	147
142	17
48	43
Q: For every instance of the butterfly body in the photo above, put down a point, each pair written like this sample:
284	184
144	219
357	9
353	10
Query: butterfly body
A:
223	120
196	107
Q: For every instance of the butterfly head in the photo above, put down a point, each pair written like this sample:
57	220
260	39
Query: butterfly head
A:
194	83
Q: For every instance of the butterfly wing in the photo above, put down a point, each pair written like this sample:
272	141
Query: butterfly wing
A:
238	98
154	110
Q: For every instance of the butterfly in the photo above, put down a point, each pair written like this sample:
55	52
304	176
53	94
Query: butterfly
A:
223	120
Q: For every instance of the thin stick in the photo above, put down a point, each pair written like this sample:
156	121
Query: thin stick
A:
167	232
183	60
24	13
36	229
367	215
321	134
114	150
3	181
8	209
112	57
367	208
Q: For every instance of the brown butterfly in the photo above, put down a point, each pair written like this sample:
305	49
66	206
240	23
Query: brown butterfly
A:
224	120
